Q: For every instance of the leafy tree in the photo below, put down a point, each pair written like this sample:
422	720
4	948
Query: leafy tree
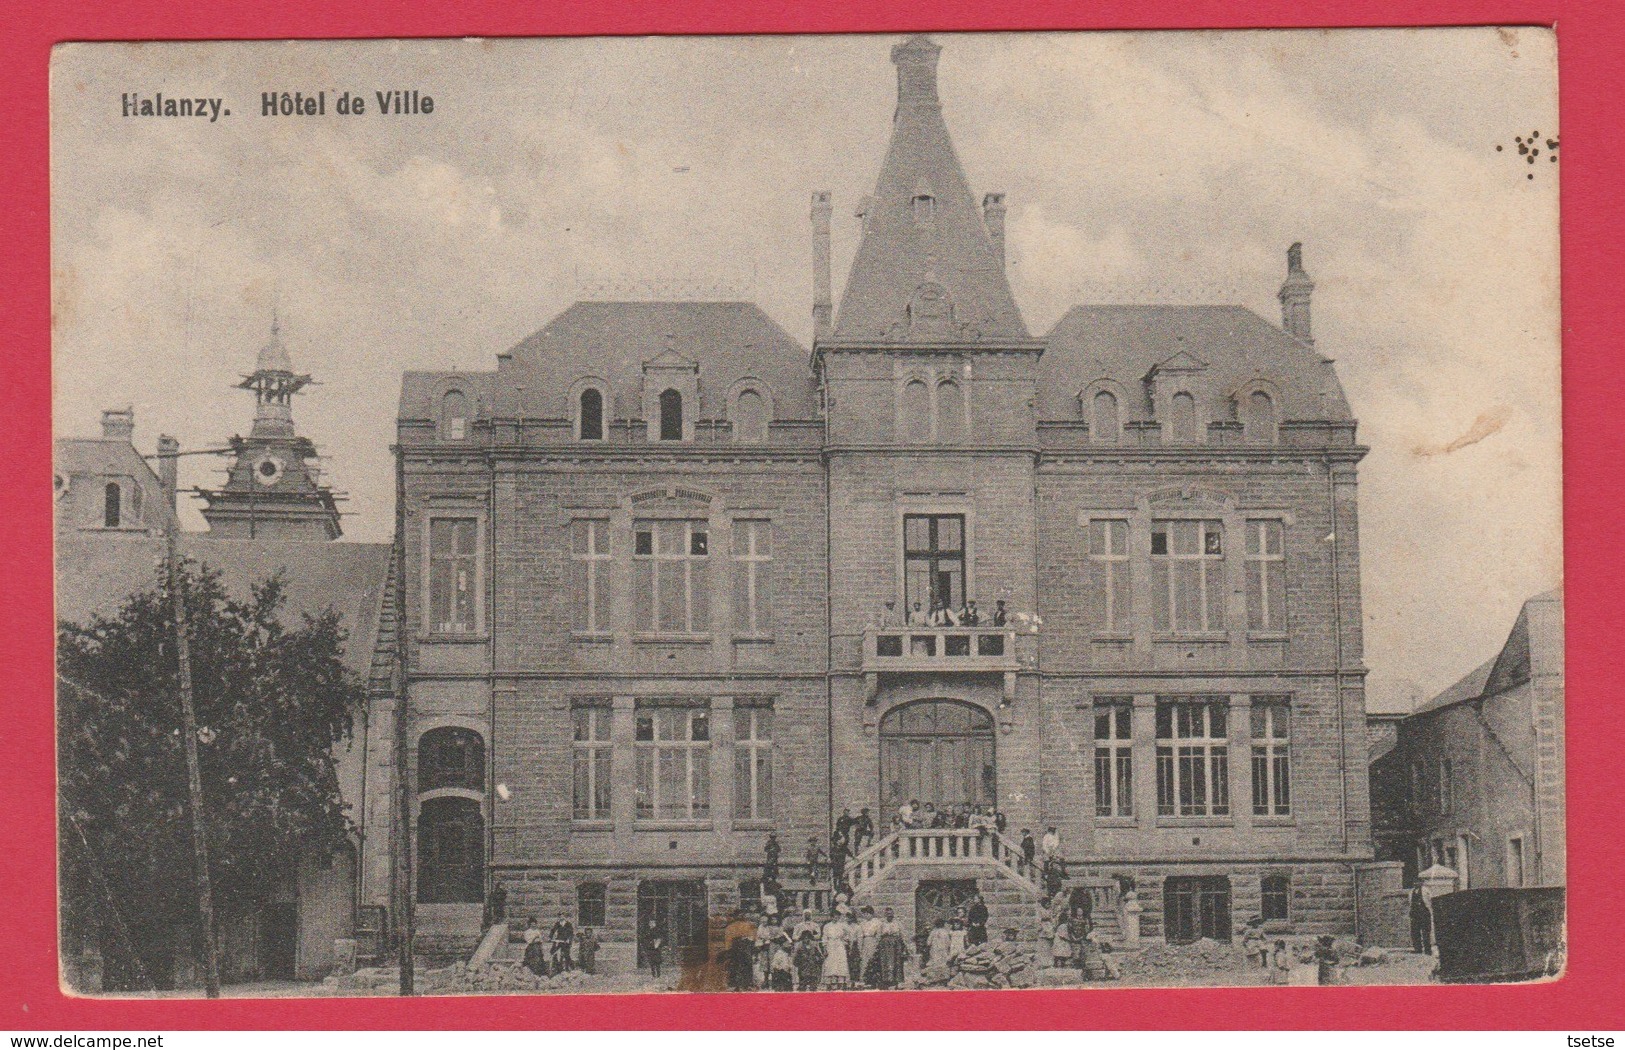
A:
273	700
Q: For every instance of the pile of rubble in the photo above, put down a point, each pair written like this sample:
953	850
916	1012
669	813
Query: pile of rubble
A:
1159	963
1004	964
461	979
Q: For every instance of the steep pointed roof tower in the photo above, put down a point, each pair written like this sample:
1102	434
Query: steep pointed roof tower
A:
927	268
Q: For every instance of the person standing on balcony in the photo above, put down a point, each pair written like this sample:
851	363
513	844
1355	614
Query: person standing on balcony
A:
976	921
918	617
968	616
888	615
999	614
1052	843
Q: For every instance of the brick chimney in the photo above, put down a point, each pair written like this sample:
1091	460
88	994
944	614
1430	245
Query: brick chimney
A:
823	305
993	216
916	61
168	473
1294	295
118	424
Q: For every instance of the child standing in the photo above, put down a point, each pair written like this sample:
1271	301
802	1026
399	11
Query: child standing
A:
1280	964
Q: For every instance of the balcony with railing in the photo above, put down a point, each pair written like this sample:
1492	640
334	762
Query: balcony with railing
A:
940	650
953	847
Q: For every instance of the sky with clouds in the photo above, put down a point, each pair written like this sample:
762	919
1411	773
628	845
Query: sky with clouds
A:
1139	167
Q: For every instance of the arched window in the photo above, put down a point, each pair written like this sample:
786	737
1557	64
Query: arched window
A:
936	751
454	416
451	851
916	412
671	415
1258	419
750	417
451	757
590	420
950	413
1182	412
1105	425
112	504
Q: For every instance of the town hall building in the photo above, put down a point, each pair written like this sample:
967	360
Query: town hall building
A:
667	572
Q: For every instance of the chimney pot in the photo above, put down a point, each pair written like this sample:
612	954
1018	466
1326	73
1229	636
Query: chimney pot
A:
1296	292
118	424
993	215
823	303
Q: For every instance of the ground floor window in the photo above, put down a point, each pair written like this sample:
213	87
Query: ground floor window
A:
590	904
1276	897
1196	907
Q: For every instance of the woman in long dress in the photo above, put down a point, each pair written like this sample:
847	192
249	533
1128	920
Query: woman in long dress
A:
808	957
868	941
837	974
885	968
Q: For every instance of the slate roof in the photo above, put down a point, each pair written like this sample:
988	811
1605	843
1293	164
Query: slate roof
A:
729	341
95	575
1507	670
898	252
1228	345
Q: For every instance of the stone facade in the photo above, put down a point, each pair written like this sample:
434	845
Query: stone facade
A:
653	519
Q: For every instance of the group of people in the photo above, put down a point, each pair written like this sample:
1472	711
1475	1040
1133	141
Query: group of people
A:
942	614
855	949
561	948
961	815
1280	959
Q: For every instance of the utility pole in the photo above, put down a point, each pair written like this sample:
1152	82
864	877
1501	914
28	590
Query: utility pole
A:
194	775
407	916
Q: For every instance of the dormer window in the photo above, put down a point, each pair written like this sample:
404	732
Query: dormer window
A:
454	416
590	415
1258	419
925	207
112	505
671	415
750	418
1105	425
1183	421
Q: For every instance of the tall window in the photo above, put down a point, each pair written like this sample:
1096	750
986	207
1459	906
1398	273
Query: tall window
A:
1105	425
112	505
1108	550
590	904
1258	419
1276	897
950	413
669	561
590	566
1193	758
592	749
671	415
916	412
453	568
1114	759
454	416
750	423
1272	767
933	559
674	763
451	757
590	417
1266	577
1187	576
1446	788
753	578
1183	413
753	763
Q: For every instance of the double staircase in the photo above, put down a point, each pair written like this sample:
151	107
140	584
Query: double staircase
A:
973	849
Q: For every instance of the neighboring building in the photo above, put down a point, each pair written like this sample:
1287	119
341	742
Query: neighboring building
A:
647	561
111	545
1475	777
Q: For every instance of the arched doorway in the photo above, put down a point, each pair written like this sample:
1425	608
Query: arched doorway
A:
936	751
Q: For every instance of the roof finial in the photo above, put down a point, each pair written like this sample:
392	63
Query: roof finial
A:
916	61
